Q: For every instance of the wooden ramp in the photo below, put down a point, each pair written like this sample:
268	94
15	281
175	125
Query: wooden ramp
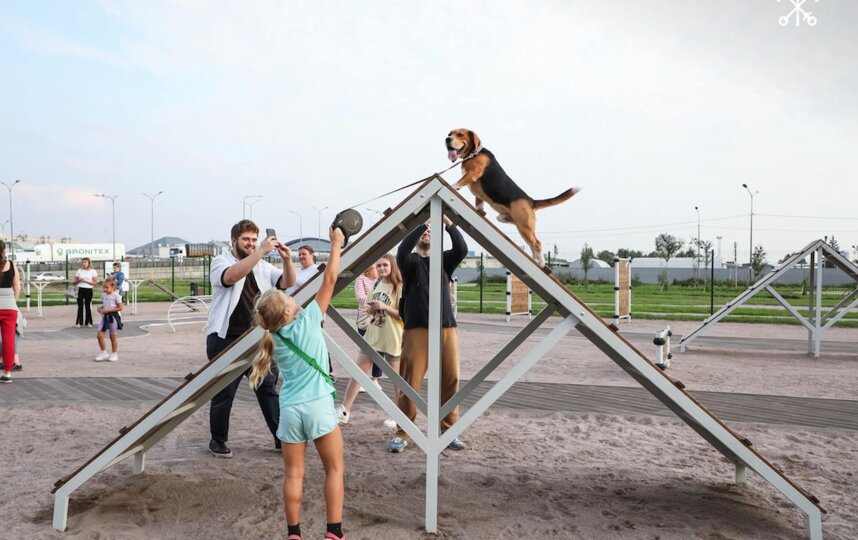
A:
431	199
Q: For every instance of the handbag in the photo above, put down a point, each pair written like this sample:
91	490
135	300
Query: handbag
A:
71	291
310	360
20	324
125	287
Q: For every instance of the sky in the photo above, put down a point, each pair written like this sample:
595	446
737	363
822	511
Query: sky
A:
652	107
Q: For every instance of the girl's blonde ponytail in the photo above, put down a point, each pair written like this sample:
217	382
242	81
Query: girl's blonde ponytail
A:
269	315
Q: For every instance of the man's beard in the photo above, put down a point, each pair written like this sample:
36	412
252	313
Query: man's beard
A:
424	246
240	253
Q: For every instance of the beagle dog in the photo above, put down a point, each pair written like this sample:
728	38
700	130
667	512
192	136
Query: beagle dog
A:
482	173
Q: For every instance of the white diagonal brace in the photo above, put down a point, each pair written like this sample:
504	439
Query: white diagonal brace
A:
789	307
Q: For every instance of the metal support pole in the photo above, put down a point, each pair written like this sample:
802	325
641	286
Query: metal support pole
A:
817	316
433	450
712	283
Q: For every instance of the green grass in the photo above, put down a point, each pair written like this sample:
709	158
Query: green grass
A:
678	303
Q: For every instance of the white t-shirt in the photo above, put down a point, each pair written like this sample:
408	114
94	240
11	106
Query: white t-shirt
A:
302	275
88	275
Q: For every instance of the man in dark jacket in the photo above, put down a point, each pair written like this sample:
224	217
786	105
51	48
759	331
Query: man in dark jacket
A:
415	314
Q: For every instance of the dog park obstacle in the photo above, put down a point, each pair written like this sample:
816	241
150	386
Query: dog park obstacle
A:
622	290
518	298
431	199
662	347
817	322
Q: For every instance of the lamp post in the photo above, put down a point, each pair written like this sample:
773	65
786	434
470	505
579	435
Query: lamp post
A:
319	210
250	208
696	209
300	227
113	212
152	222
751	255
376	215
244	203
11	223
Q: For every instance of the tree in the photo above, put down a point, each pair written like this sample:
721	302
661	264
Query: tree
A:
624	253
666	246
758	261
606	256
586	260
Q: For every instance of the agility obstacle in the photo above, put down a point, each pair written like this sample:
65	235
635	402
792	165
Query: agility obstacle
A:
662	347
518	298
817	322
433	198
622	290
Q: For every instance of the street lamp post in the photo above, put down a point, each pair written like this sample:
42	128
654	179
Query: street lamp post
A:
113	212
250	208
751	256
300	227
696	209
152	222
11	223
377	214
244	203
319	210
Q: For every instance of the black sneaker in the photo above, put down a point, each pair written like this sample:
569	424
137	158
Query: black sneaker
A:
5	379
277	444
17	367
219	449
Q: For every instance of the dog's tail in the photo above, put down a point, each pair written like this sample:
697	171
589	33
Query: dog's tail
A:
565	196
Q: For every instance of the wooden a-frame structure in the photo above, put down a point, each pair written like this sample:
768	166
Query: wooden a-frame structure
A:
816	322
431	199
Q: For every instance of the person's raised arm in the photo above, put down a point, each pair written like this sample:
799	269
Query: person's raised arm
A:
245	265
289	276
406	246
332	270
459	250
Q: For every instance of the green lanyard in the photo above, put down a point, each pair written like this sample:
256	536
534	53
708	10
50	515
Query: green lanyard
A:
310	360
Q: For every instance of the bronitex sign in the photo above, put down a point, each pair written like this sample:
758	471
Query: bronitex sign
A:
96	252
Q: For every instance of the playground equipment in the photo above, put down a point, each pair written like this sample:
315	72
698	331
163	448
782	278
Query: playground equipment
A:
431	199
817	322
622	290
662	347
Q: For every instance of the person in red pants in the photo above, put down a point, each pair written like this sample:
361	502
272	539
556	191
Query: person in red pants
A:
10	288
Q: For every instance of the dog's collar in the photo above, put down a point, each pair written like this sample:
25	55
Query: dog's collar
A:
476	151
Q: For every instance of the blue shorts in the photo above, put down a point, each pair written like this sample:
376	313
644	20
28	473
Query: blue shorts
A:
307	421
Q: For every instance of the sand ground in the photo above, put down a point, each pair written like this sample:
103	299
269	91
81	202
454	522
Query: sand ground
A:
525	474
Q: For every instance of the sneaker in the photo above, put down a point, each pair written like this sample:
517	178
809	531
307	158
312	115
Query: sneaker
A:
456	444
278	445
219	449
5	379
102	356
18	367
397	445
361	390
342	415
89	325
390	423
113	357
77	326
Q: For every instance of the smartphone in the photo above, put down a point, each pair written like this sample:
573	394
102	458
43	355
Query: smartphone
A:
270	232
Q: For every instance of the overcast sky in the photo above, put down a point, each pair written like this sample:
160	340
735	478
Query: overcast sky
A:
653	107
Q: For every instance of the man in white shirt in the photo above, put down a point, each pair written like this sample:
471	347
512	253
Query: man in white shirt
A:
309	268
237	278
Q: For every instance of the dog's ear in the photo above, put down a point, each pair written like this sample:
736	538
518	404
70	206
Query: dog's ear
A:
475	140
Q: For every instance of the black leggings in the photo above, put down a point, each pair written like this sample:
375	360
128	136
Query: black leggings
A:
84	302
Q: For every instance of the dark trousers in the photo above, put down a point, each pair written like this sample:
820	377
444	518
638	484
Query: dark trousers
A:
221	404
84	303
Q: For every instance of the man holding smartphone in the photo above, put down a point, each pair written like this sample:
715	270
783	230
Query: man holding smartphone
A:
237	278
